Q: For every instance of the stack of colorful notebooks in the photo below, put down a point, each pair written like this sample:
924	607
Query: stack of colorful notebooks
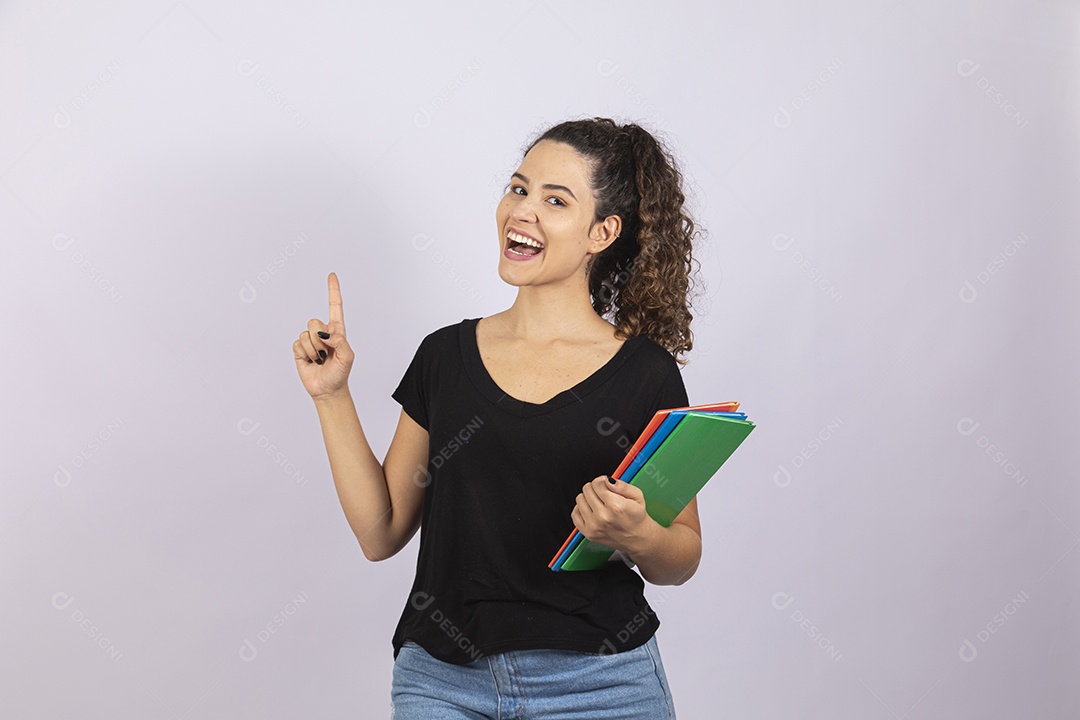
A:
677	453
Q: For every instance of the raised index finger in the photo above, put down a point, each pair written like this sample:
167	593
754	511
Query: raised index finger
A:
336	314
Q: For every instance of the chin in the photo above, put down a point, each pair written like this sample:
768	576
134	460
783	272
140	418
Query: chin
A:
507	280
508	276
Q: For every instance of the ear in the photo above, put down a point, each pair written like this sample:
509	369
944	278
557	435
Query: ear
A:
604	233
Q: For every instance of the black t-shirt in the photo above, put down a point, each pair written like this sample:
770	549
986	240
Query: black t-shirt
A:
500	484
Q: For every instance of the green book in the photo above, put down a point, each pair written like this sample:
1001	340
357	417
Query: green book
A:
686	459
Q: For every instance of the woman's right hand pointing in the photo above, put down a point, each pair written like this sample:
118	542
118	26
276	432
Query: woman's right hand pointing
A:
323	360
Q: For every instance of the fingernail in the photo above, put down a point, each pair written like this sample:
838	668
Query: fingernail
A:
309	361
324	335
322	353
611	479
319	361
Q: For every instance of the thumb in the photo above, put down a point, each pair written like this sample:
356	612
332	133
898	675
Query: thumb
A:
333	336
335	327
337	342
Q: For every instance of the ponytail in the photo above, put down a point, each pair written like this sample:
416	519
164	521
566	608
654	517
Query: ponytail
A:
643	278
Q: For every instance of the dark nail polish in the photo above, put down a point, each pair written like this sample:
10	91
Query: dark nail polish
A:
611	479
324	335
309	361
322	353
319	361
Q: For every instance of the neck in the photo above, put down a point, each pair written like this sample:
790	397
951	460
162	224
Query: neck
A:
545	313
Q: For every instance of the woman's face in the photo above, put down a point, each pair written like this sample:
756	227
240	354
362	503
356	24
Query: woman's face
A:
548	200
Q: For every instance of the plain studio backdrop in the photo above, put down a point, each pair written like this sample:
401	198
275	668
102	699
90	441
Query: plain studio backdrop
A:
890	194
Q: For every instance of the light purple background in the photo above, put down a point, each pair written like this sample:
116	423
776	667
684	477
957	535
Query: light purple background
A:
891	195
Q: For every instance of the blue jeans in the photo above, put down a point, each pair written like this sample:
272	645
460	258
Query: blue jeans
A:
526	684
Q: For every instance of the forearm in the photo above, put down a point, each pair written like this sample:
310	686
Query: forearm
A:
665	555
358	474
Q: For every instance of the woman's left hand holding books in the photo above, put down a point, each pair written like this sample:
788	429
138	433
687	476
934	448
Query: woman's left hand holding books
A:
612	514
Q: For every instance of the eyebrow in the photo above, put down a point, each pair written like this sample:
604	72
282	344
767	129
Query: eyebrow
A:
549	186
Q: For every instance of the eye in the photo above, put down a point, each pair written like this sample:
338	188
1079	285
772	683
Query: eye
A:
514	188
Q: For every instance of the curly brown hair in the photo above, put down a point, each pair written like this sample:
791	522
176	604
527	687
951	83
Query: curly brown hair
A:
643	279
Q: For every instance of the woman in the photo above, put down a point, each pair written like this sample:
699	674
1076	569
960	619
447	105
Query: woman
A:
506	422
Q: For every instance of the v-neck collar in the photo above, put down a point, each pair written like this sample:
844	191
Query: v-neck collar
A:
481	378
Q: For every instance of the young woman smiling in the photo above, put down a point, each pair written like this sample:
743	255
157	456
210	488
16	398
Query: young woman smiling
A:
507	423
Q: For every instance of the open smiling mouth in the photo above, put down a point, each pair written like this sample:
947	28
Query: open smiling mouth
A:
521	245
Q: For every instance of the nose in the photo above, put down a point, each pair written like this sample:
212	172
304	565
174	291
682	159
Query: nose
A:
523	209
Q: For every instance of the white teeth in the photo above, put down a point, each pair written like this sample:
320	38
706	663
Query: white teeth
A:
522	239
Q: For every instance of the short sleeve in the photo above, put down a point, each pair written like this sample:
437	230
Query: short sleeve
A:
410	391
672	393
